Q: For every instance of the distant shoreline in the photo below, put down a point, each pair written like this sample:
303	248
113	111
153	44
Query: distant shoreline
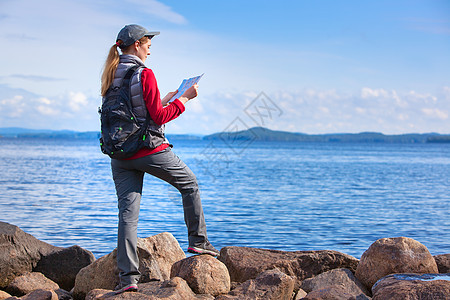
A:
259	134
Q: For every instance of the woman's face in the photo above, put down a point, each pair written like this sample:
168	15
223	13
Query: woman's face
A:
143	50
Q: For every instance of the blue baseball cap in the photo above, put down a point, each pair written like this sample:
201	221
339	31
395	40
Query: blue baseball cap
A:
131	33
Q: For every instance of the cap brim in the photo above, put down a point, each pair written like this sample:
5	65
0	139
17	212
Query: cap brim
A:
152	34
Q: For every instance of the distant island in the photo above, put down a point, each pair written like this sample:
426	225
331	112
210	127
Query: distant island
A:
267	135
260	134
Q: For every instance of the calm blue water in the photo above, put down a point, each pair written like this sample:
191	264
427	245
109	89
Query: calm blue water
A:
279	196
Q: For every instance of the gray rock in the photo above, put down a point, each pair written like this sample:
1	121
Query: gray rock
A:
247	263
63	265
443	263
269	285
412	287
342	277
29	282
19	252
204	274
394	255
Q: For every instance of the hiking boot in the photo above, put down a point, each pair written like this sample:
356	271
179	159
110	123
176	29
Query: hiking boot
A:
204	248
127	288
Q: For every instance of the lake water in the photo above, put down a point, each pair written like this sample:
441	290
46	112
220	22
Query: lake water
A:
299	196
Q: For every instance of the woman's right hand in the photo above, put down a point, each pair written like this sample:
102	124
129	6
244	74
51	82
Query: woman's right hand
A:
189	94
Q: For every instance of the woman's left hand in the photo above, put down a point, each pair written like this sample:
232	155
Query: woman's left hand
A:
169	96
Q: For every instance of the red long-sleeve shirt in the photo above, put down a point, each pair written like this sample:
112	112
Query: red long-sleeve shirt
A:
159	114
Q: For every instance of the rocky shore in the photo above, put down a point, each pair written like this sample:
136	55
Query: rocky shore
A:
391	268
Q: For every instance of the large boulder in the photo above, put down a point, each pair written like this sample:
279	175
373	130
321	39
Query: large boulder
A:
39	294
247	263
269	285
412	287
158	253
19	252
204	274
25	284
110	295
394	255
173	289
101	274
334	292
343	277
156	256
443	262
63	265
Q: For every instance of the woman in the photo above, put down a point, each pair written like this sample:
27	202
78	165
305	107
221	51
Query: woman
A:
158	160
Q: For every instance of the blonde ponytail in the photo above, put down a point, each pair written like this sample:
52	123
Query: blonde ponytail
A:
112	61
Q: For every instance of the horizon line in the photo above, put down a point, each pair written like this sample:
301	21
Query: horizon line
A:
217	132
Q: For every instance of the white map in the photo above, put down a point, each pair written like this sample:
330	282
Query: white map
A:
187	83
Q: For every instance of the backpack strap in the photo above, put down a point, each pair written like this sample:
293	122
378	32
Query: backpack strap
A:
128	74
127	82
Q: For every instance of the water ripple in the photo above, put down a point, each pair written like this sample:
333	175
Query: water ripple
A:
295	197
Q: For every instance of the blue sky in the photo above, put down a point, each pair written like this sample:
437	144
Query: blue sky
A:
330	66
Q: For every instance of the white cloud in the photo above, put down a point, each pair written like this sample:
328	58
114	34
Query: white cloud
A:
12	107
446	91
11	101
403	117
389	112
373	93
360	110
435	113
196	107
44	100
77	101
398	100
426	98
159	10
72	110
47	110
35	78
324	110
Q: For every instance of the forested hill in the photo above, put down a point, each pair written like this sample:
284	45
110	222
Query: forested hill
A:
264	134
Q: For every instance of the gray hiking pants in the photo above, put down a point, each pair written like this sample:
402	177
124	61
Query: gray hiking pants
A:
128	177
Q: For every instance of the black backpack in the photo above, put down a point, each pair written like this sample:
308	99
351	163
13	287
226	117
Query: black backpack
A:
121	133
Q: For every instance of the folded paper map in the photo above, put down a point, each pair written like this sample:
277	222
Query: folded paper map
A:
187	83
